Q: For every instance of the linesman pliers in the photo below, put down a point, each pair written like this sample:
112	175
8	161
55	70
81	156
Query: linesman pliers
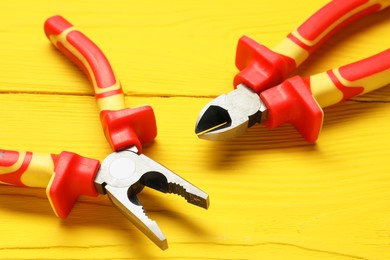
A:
125	172
261	95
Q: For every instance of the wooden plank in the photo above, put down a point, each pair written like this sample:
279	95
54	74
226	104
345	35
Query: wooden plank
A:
272	194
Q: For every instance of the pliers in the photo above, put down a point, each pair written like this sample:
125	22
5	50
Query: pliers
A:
123	173
263	94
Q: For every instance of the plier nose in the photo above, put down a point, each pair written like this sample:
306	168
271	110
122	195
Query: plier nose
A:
229	115
124	174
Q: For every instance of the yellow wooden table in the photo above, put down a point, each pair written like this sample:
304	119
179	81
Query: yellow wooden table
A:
272	195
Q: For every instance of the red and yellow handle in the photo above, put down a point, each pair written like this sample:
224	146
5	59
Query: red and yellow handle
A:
65	176
122	126
262	68
340	84
300	100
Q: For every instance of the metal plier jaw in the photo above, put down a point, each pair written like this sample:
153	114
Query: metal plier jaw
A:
124	174
229	115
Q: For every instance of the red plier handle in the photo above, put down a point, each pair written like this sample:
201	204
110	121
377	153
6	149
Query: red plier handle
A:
65	176
262	68
123	127
299	101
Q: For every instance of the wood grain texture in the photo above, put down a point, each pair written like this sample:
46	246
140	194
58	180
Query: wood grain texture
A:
273	196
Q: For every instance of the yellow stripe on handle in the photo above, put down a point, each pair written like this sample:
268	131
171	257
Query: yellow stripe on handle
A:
357	78
87	55
262	68
25	168
65	176
123	127
328	20
299	101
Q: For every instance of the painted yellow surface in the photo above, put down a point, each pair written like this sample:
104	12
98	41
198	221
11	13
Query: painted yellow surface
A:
273	196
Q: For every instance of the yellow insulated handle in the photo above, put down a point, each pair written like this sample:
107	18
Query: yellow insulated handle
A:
262	68
328	20
26	168
299	101
123	127
65	176
340	84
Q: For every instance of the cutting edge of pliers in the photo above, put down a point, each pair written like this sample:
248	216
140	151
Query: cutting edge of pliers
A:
229	115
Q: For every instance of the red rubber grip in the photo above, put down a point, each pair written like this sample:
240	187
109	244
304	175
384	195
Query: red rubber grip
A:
94	57
292	102
65	176
367	67
340	84
127	127
330	19
74	176
123	127
298	100
260	68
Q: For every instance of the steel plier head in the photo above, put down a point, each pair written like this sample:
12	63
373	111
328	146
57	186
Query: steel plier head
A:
229	115
124	174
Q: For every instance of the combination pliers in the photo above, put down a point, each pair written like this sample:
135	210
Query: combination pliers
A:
263	94
123	173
